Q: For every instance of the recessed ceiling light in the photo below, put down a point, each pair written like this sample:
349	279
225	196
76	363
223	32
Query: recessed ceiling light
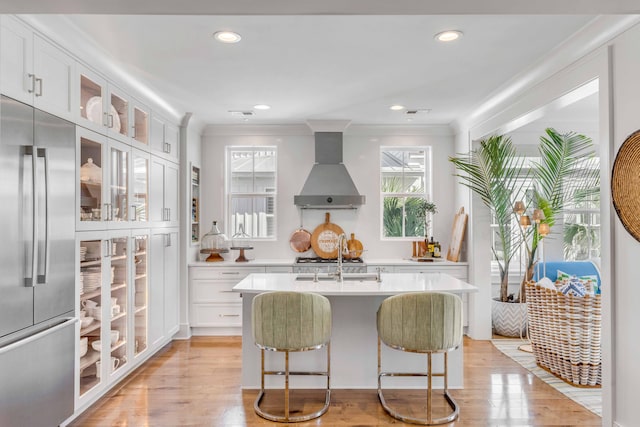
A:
448	36
396	107
262	107
227	36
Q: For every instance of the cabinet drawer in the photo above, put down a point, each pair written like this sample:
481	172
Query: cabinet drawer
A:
216	315
224	272
280	269
214	291
457	272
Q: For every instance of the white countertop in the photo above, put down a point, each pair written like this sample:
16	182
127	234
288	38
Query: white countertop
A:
291	261
275	262
392	284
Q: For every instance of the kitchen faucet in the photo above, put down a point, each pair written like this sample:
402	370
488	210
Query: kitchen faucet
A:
342	242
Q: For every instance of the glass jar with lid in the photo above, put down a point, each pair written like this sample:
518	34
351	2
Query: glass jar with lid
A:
240	241
213	244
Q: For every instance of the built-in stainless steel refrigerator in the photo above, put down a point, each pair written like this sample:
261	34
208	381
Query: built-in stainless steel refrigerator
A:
37	266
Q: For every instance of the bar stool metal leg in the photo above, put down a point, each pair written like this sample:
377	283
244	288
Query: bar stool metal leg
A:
424	323
287	373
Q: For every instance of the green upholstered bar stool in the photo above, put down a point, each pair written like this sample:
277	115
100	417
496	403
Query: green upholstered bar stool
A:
420	322
291	321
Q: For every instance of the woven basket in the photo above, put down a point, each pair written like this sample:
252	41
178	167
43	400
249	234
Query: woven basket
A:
565	333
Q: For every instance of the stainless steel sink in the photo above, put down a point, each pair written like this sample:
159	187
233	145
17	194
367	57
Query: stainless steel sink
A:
351	277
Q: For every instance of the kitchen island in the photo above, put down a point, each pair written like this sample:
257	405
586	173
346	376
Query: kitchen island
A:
354	304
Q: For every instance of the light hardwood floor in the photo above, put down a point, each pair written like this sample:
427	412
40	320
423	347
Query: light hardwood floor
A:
197	383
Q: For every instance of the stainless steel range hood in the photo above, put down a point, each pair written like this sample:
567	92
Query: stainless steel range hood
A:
329	185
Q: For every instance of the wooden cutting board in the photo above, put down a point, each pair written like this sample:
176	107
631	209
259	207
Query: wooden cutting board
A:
355	247
324	239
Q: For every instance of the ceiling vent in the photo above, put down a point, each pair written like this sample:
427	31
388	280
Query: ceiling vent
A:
242	113
417	111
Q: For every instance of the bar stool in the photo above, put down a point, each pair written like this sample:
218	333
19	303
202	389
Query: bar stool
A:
420	322
286	322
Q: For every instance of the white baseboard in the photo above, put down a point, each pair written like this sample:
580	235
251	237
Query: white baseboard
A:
216	331
184	332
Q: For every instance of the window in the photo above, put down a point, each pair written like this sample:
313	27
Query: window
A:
405	186
251	191
581	228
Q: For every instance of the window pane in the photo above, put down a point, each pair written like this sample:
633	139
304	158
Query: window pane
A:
392	216
252	171
413	182
255	214
414	217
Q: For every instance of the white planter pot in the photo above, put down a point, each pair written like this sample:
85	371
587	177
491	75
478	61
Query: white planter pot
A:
509	319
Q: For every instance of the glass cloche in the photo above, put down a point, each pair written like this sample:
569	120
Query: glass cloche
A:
214	243
240	241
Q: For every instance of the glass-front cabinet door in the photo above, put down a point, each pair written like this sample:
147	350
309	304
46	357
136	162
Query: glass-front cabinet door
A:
140	125
90	287
91	111
92	162
118	308
118	115
140	187
119	172
140	292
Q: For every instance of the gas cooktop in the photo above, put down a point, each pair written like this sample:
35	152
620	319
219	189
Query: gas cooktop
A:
318	260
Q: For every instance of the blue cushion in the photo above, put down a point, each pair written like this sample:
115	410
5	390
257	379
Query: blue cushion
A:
577	268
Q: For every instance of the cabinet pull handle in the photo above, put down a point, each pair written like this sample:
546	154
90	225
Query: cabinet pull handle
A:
134	213
33	83
235	273
39	81
133	133
110	122
229	315
228	292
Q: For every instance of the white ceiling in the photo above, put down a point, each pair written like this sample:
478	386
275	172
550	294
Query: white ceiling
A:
330	60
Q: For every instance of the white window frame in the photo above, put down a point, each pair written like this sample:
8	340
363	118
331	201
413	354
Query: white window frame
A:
229	195
427	193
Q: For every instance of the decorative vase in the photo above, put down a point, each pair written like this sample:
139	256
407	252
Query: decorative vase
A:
509	319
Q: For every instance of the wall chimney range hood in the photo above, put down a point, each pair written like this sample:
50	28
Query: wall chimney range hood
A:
328	185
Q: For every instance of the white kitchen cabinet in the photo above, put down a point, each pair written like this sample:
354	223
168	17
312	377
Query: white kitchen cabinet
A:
35	71
109	110
163	192
165	138
105	289
112	183
164	286
383	268
215	309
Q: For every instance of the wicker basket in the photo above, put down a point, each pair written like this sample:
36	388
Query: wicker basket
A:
565	333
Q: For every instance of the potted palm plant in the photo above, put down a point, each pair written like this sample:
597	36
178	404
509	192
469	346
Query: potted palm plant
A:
497	174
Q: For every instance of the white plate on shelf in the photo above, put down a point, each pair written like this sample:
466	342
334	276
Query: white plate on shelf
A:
94	113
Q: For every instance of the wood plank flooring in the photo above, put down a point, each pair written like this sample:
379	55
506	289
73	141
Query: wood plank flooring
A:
197	383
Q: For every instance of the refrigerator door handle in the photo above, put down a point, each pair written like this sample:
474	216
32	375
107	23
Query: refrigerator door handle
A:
43	258
31	249
40	334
